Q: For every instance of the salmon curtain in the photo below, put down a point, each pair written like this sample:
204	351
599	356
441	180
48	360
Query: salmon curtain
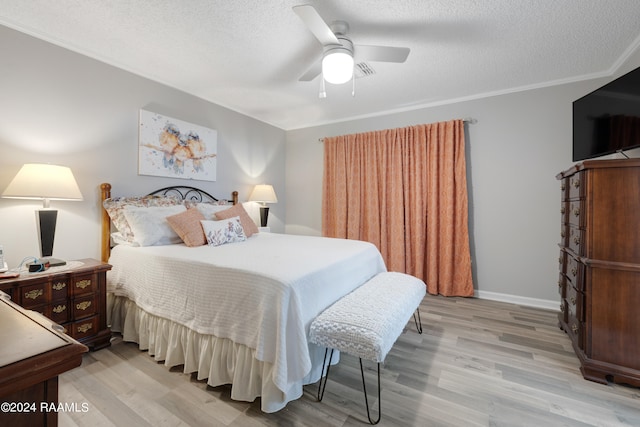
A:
404	190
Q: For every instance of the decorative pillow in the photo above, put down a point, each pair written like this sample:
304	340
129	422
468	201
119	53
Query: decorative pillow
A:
118	239
187	226
209	210
193	203
150	226
248	225
115	208
223	231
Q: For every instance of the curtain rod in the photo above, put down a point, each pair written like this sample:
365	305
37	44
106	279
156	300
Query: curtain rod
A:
469	120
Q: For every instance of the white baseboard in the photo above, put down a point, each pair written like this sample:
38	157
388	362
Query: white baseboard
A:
514	299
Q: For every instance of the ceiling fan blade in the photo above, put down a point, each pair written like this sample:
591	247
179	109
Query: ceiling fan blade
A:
313	72
316	24
381	53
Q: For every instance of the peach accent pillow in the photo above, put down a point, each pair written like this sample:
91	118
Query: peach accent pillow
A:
248	225
187	225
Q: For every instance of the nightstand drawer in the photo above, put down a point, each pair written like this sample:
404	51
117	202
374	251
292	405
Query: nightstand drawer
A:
84	307
83	328
59	289
85	284
58	312
34	295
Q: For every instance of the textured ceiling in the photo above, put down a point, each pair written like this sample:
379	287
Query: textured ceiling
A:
248	55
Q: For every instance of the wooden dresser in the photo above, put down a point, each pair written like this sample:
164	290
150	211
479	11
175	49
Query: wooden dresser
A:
599	279
73	296
32	355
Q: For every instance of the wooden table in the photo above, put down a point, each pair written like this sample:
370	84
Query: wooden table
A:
33	352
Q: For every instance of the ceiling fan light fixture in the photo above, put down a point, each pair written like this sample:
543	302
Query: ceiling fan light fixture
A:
337	65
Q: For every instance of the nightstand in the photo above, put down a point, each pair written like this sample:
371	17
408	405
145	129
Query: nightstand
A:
73	296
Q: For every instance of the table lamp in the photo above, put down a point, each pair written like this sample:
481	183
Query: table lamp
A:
263	193
44	182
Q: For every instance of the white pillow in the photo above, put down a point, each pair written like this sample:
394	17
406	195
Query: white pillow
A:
223	231
149	224
208	210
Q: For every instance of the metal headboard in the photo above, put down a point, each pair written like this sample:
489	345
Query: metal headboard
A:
184	192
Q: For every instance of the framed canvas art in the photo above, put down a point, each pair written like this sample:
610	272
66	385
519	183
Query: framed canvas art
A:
177	149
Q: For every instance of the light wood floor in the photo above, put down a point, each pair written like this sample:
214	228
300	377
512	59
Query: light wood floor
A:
478	363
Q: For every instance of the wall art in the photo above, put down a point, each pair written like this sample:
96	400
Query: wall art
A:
177	149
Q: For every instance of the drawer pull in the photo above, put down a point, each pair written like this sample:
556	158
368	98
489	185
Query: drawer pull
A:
562	210
33	294
559	283
83	283
83	305
574	271
576	211
59	309
576	240
573	300
563	186
59	286
563	234
84	327
574	328
575	183
562	308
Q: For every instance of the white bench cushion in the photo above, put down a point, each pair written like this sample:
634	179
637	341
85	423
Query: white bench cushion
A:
368	321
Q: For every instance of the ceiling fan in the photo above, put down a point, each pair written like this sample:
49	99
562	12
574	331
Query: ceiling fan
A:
339	53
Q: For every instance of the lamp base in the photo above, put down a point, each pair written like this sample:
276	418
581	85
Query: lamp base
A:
53	262
264	215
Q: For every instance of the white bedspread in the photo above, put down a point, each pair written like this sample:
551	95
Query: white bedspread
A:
263	293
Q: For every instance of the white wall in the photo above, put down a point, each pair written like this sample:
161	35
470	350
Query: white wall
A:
518	145
63	108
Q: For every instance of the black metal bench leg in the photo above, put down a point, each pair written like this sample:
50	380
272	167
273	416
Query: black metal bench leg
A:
366	401
418	321
323	384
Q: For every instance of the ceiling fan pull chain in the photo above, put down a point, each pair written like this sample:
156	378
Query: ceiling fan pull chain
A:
353	86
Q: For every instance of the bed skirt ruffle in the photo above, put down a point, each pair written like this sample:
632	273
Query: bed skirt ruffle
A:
218	360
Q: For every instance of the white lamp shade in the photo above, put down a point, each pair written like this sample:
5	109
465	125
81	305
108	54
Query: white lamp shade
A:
337	66
263	193
43	182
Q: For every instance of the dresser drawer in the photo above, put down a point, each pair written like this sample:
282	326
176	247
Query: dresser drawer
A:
562	285
576	240
575	299
576	327
562	261
85	284
575	213
34	295
84	307
564	235
575	273
83	328
563	316
564	189
577	185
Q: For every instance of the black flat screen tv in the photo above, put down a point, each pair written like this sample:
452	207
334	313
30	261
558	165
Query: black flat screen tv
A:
608	119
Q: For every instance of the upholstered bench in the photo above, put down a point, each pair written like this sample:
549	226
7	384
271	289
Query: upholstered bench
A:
367	322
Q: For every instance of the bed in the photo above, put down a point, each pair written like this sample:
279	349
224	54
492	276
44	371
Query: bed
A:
237	312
